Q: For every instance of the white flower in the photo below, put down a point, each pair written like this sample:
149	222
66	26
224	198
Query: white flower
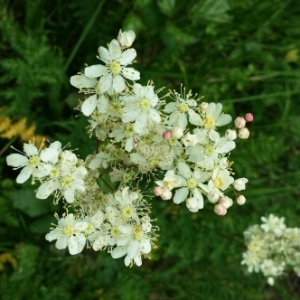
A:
240	184
140	107
273	224
115	69
69	233
33	162
213	117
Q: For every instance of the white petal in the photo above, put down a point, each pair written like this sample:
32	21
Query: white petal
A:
52	235
69	195
95	71
62	242
105	82
140	123
131	73
16	160
133	249
82	81
180	195
104	55
46	189
76	244
114	49
49	155
118	252
184	170
223	120
154	115
80	225
30	149
24	175
97	218
127	57
118	83
89	105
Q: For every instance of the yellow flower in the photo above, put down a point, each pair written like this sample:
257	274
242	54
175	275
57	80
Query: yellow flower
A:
4	123
7	257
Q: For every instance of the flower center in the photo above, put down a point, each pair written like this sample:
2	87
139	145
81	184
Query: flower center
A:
90	229
34	161
115	68
191	183
182	107
145	104
209	122
127	212
115	231
138	233
54	172
68	230
218	183
129	130
209	150
67	181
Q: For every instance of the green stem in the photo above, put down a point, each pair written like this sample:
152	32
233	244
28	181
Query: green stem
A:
7	145
84	34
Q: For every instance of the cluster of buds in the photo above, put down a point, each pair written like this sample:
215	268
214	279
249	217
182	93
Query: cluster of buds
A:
272	248
171	139
240	130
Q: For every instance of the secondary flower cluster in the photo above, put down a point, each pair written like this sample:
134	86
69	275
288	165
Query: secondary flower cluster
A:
171	139
272	248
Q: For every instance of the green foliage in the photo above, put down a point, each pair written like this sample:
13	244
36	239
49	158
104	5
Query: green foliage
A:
233	52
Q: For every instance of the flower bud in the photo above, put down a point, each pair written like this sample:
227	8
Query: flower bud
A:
240	122
126	38
220	210
158	190
249	117
190	140
231	134
243	133
226	201
177	132
240	184
167	135
213	197
240	199
192	204
166	194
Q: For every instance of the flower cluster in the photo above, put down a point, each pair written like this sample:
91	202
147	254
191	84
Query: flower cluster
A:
172	139
272	248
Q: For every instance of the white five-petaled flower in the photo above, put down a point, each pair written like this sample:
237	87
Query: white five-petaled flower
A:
69	233
115	69
140	107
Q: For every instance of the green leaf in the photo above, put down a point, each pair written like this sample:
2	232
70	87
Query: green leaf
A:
167	7
42	225
25	201
212	10
180	37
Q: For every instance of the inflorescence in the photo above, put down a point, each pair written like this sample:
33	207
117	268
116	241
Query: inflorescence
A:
172	140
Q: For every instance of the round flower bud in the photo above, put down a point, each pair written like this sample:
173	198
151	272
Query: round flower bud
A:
240	184
240	199
226	201
126	38
240	122
192	204
231	134
213	197
249	117
166	195
220	210
177	132
203	105
158	190
243	133
167	135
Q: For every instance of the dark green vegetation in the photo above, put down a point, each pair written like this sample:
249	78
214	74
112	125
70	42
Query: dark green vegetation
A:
236	52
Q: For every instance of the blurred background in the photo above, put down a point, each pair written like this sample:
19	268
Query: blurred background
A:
243	54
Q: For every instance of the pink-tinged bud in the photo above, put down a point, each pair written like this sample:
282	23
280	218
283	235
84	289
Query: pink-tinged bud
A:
166	195
240	199
240	122
158	190
177	132
249	117
243	133
240	184
226	201
167	135
231	134
220	210
192	204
